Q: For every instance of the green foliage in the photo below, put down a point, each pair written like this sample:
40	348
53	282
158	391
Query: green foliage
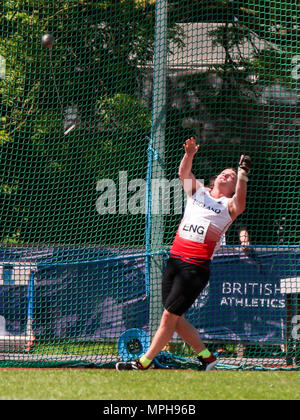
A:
95	74
113	109
96	45
247	104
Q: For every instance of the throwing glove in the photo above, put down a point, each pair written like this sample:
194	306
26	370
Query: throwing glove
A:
244	167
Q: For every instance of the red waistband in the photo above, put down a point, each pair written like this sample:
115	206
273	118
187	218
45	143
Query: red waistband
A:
190	249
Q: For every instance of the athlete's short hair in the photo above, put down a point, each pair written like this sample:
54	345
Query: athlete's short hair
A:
232	169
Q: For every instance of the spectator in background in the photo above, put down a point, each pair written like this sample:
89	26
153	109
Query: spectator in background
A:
244	239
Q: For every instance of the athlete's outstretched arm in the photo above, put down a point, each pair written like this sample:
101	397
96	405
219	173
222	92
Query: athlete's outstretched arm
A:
238	201
189	182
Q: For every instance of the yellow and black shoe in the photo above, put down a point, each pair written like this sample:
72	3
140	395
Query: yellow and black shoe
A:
131	365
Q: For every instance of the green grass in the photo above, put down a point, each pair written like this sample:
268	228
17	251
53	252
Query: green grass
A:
89	384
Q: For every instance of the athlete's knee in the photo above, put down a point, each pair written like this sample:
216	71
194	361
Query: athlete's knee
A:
169	319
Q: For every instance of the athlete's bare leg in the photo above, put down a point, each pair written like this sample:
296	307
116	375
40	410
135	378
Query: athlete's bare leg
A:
163	335
189	334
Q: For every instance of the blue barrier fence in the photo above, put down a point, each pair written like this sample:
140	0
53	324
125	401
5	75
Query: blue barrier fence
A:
95	294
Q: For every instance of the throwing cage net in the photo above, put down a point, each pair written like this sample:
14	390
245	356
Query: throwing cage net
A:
93	121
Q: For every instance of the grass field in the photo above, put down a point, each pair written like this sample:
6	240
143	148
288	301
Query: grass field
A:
92	384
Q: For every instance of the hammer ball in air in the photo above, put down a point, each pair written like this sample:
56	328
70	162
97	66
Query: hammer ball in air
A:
47	41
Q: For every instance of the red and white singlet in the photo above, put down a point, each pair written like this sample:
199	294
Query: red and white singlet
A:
205	221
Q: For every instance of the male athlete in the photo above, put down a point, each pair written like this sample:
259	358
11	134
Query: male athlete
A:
207	216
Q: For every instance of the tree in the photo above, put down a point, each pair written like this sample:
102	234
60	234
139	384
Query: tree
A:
247	104
99	63
265	106
90	78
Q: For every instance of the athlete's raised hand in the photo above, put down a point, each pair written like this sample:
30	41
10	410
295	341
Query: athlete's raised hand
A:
245	164
190	146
